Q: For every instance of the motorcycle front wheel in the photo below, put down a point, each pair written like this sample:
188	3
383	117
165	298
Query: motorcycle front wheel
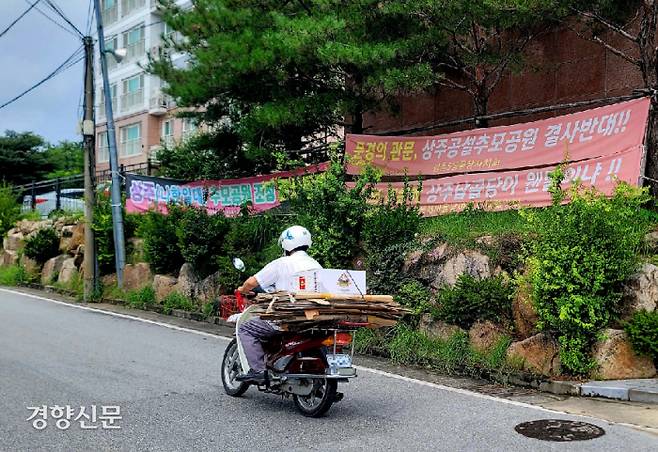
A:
231	369
318	402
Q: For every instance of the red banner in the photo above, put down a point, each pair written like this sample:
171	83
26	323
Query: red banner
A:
147	193
578	136
529	187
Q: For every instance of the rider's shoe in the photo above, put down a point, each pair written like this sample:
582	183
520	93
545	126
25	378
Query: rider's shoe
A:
253	377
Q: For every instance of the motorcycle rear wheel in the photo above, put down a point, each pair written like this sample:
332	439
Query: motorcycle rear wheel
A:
320	400
231	369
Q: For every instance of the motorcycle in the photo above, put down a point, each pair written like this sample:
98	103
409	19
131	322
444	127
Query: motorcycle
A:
305	365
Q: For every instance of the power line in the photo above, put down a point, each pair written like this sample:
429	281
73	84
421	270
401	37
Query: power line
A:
53	20
69	62
90	16
32	5
61	14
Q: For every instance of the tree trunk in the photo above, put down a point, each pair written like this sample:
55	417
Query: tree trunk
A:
480	107
651	169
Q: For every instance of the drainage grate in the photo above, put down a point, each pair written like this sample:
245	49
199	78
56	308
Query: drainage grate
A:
559	430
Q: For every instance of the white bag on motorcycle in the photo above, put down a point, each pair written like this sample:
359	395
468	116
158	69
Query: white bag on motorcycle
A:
348	282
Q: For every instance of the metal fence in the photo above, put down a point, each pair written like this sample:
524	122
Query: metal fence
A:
67	193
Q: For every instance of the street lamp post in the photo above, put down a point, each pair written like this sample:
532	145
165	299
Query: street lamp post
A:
117	214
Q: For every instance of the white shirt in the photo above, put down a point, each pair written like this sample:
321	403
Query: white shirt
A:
279	272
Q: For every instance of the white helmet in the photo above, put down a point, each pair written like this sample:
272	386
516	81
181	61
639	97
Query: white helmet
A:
294	237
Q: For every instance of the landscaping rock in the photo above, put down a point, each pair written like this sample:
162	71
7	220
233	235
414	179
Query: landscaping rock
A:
411	260
538	354
487	240
640	291
187	280
617	360
52	268
163	285
8	257
68	271
14	240
136	247
524	314
651	240
67	231
30	265
437	329
483	336
27	227
77	239
137	276
469	262
208	289
109	280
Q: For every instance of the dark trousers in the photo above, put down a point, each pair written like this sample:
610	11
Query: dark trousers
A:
252	334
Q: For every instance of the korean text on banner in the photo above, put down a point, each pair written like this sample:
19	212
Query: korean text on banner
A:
228	196
529	187
589	134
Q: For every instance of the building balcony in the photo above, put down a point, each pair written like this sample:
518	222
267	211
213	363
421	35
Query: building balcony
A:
129	148
101	107
128	6
130	101
135	50
160	104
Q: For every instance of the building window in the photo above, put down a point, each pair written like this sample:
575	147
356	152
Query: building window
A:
111	44
134	42
109	11
103	154
189	127
101	105
128	6
133	92
131	140
167	134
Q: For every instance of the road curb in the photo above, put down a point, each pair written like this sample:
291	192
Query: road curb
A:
641	390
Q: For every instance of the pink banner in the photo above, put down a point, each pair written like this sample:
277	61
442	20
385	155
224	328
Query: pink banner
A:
228	196
529	187
578	136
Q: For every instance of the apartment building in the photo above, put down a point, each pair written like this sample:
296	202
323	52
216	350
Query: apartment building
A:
144	116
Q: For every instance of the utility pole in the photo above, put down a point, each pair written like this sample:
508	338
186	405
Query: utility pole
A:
88	131
117	214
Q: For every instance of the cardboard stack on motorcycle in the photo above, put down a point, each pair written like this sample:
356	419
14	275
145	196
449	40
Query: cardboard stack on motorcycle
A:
295	337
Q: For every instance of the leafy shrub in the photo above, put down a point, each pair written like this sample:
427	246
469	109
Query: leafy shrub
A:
642	330
10	209
13	275
104	232
334	214
141	298
200	237
415	296
394	220
43	245
475	299
583	252
176	300
210	308
385	268
161	248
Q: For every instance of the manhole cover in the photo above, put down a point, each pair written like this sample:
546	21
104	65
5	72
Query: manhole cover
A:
559	430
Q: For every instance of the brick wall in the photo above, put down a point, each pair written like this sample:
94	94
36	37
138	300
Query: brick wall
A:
560	67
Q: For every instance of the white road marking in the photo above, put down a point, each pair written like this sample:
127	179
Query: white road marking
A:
366	369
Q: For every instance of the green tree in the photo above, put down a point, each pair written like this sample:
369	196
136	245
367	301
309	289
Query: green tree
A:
284	75
22	158
66	157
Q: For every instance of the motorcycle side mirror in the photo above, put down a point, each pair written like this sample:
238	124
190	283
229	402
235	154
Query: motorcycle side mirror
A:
238	264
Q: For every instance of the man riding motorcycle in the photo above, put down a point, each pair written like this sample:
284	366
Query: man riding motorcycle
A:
295	241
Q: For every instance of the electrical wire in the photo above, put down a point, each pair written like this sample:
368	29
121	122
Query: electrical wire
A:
75	58
90	16
44	14
9	27
61	14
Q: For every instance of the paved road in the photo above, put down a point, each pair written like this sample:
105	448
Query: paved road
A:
167	384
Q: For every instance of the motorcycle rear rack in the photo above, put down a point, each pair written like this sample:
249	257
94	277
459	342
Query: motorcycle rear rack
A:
324	376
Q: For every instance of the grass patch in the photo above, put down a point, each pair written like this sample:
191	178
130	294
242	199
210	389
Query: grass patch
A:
141	298
176	300
14	275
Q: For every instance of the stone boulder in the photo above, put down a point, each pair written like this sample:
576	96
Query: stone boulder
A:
136	247
109	280
137	276
14	241
437	329
640	291
538	354
187	281
163	285
27	227
483	336
651	240
8	257
30	265
524	314
468	262
52	268
617	360
208	289
77	239
68	271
